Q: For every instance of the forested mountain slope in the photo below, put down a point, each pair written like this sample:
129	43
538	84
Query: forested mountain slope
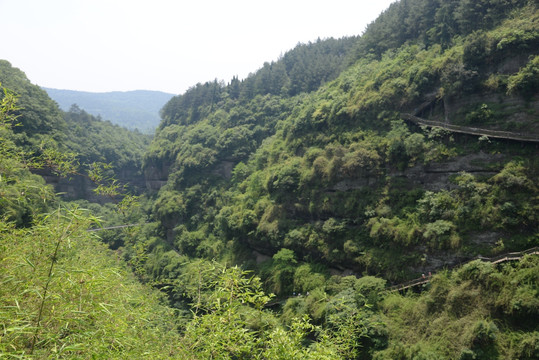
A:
282	206
42	126
137	109
63	293
338	177
331	180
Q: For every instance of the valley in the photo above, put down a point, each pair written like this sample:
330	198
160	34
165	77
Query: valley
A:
369	197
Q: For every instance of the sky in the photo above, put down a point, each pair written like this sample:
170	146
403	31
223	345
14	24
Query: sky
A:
165	45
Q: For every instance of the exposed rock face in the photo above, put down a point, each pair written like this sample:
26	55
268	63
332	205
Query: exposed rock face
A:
354	184
74	187
81	187
133	177
433	261
224	169
432	176
436	176
156	176
511	64
260	258
522	112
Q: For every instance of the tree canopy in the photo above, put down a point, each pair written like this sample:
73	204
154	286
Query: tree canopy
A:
283	205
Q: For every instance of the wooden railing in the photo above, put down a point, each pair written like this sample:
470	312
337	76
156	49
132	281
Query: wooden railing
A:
472	130
114	227
494	260
406	285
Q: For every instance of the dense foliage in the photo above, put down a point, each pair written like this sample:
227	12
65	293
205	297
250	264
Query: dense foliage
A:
479	311
38	114
433	22
303	69
100	141
333	174
96	148
64	295
332	179
289	201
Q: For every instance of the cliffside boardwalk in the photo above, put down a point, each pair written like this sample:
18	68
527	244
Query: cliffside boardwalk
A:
494	260
113	227
471	130
512	256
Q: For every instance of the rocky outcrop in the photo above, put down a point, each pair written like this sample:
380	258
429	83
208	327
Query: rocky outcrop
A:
436	176
77	187
353	184
520	113
133	178
156	176
432	176
224	169
72	188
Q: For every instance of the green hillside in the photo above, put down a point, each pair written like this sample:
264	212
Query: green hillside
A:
340	178
137	109
43	130
281	208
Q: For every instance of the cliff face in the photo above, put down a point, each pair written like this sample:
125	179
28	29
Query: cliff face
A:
507	113
156	176
436	176
486	86
338	178
81	187
75	187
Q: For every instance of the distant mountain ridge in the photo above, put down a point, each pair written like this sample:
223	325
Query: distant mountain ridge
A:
138	109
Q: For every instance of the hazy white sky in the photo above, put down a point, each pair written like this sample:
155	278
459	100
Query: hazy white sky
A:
166	45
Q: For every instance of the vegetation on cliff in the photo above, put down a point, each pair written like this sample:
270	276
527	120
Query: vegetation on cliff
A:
338	177
291	199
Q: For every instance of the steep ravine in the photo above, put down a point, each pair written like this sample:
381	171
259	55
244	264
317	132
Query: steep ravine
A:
81	186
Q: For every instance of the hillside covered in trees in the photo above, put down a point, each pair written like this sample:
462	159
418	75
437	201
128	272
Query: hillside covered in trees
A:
279	208
137	109
337	176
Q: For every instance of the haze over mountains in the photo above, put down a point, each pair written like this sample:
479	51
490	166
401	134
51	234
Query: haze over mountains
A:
138	109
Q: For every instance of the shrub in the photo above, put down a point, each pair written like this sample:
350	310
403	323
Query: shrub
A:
526	81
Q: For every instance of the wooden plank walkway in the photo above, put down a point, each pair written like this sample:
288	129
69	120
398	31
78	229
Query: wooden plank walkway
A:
494	260
424	280
398	287
114	227
472	130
